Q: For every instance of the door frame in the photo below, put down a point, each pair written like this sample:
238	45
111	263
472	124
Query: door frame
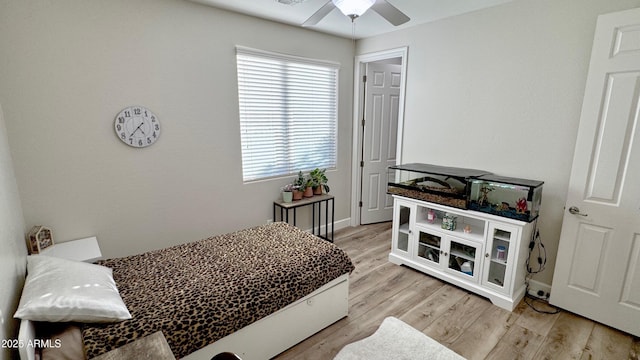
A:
359	71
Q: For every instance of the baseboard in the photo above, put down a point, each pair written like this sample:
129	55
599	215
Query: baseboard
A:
339	224
539	289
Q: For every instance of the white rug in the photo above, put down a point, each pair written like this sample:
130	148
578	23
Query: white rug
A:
395	340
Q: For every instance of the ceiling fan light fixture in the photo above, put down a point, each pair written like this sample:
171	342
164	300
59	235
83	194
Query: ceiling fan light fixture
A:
353	8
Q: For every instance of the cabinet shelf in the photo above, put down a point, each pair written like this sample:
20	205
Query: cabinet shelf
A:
462	255
501	238
429	246
499	262
476	234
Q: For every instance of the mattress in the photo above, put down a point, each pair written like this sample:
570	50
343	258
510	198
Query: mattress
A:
199	292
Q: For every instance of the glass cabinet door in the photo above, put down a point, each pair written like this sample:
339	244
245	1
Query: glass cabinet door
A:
499	256
402	231
464	258
429	247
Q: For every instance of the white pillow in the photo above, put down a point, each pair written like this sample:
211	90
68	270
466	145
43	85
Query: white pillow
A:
60	290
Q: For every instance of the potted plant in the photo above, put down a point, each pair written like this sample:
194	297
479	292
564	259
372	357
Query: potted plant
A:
308	187
287	192
319	181
300	184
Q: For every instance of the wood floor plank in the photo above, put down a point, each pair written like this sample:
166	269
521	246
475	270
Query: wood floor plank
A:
373	297
567	338
634	352
537	322
432	307
449	327
370	259
606	343
517	343
477	341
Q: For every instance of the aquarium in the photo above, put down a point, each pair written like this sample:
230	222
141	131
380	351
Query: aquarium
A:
505	196
436	184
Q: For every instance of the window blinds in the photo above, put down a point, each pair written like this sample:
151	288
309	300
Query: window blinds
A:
288	113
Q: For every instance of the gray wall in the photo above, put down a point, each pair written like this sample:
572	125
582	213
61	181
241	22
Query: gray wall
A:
501	89
13	249
69	66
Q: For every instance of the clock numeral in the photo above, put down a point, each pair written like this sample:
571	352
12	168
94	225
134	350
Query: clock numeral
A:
121	120
119	127
157	127
139	142
153	118
123	136
137	111
145	114
127	113
131	141
154	134
148	140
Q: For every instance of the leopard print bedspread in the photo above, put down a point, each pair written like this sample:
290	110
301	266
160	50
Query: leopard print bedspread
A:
199	292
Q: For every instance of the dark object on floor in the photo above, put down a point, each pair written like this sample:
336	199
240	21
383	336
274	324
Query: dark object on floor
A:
226	356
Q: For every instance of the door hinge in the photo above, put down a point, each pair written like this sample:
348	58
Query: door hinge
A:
360	204
363	122
361	163
364	78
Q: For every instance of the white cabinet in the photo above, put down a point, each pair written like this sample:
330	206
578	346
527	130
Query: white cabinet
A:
485	254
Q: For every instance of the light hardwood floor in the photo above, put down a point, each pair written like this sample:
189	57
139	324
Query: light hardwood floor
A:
466	323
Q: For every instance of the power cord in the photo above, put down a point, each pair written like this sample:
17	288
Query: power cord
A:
536	243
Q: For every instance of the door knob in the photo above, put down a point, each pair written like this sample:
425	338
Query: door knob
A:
576	211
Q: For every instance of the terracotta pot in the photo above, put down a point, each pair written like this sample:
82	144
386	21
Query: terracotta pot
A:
297	195
317	190
308	192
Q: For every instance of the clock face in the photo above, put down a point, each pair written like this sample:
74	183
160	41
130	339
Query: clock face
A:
137	126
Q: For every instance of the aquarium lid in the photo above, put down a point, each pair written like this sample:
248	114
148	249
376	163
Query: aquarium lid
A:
441	170
510	180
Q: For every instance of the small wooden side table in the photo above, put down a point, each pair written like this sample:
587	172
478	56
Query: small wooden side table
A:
154	347
315	201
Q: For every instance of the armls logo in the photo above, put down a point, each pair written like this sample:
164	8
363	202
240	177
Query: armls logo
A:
32	343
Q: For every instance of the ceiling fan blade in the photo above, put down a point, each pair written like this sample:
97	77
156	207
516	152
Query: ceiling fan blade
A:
320	14
390	12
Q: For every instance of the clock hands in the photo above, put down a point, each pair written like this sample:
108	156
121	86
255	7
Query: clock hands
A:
138	128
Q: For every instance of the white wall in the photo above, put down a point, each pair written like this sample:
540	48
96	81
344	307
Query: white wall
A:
13	248
69	66
501	90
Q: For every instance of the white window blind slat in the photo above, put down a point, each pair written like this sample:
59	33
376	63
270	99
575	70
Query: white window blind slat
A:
288	113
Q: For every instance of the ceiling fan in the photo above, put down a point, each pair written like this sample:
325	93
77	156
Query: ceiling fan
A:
354	8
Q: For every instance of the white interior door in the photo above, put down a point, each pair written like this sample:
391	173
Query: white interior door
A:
597	272
382	103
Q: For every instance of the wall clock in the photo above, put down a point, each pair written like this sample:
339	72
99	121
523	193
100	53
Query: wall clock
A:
137	126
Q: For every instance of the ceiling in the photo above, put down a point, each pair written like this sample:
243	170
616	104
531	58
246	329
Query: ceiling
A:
369	24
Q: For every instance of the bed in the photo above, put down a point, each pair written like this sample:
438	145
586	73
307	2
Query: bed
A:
254	292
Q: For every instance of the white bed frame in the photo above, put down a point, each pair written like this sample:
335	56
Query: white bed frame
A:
266	337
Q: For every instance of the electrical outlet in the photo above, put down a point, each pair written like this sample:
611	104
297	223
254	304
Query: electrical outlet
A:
540	294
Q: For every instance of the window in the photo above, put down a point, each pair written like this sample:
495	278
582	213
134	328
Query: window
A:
288	113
